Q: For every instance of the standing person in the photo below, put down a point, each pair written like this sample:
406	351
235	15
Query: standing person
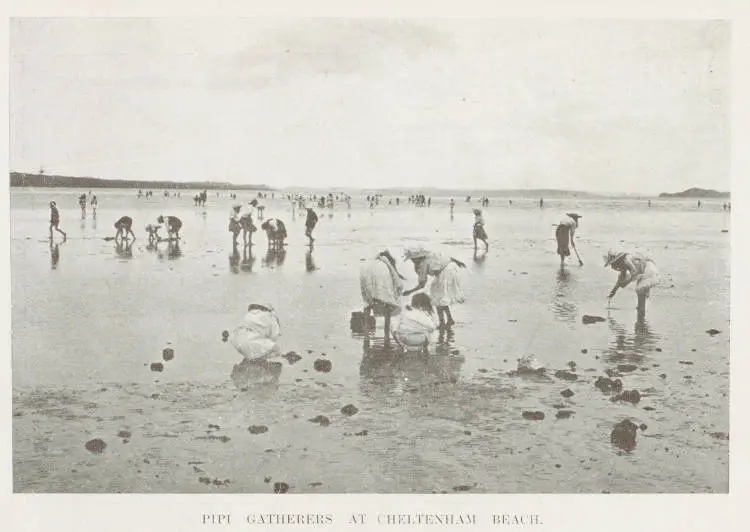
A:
479	232
310	222
94	204
445	289
173	224
565	235
633	267
124	227
54	221
82	203
541	203
452	204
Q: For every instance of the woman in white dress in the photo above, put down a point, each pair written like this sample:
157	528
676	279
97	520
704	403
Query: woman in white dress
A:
381	285
416	324
633	267
445	289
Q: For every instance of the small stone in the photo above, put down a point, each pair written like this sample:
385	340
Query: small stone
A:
482	370
315	484
361	433
292	357
280	487
626	368
720	435
558	466
624	435
467	432
349	410
462	487
167	354
322	365
124	434
629	396
566	375
584	351
567	392
321	420
649	408
663	376
96	446
607	385
267	480
643	426
686	362
155	396
658	349
592	319
126	441
204	480
564	414
713	332
224	336
157	366
533	416
213	427
572	365
257	429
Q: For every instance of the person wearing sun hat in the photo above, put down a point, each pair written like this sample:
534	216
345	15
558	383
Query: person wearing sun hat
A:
445	289
633	267
565	235
479	232
310	223
255	337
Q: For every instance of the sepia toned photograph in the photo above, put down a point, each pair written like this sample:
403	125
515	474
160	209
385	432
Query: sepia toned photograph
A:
370	256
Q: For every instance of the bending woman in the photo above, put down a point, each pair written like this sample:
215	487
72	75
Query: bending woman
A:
565	235
633	267
381	286
445	289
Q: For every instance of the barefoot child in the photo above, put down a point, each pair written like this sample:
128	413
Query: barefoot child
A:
54	221
479	232
416	324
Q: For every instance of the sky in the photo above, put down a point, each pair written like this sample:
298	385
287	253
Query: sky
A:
637	106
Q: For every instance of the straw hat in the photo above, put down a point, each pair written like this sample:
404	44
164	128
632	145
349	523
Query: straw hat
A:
477	211
611	257
415	252
574	215
260	306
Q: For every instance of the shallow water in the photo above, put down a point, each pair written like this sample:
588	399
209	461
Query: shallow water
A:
88	320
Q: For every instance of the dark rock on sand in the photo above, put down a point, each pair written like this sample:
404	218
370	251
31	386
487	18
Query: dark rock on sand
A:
567	392
280	487
292	357
257	429
463	487
95	446
224	336
629	396
649	408
643	426
167	354
322	365
157	366
315	484
663	376
533	416
204	480
713	332
564	414
482	370
572	365
624	435
321	420
361	433
607	385
720	435
626	368
658	349
267	480
584	351
213	427
566	375
349	410
124	434
686	362
592	319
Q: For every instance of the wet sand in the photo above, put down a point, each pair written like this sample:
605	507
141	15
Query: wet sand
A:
89	320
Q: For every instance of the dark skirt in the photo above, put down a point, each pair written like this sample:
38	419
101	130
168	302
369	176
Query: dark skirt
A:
563	240
479	232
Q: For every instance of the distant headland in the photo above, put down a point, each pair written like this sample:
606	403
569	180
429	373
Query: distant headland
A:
19	179
696	193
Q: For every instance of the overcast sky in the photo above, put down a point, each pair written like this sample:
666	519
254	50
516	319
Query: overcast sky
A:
602	106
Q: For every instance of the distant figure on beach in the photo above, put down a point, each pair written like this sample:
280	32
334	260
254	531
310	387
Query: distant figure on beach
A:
541	203
565	235
310	223
82	204
94	204
479	231
275	232
445	289
124	228
649	203
452	205
381	286
699	204
54	221
173	225
633	267
256	335
416	324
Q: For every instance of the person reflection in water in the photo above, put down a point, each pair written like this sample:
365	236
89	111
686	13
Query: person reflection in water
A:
234	260
124	248
248	259
54	254
631	347
310	261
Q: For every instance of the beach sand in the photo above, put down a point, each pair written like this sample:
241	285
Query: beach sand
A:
88	322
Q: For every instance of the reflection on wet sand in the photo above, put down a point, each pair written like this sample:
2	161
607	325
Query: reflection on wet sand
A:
249	373
479	257
234	260
124	249
54	254
310	261
630	347
274	257
173	251
385	369
248	259
562	308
